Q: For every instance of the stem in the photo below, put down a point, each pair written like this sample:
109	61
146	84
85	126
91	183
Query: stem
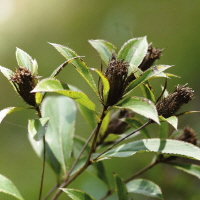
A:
67	181
51	191
109	148
44	158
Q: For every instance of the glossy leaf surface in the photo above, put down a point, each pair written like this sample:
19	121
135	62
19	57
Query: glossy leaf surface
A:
6	186
145	187
141	106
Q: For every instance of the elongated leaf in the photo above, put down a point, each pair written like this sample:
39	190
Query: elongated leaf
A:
136	123
6	186
78	63
188	168
152	72
173	120
25	60
105	82
141	106
121	188
134	51
163	130
37	127
53	85
104	49
148	92
145	187
7	73
6	111
168	146
105	124
59	135
77	194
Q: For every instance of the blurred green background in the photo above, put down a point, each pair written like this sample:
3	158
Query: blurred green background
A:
30	25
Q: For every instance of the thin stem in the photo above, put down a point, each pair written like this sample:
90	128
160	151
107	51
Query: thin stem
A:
67	181
51	191
44	157
109	148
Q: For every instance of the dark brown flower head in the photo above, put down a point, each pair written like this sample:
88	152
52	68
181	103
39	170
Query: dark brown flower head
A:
116	125
152	55
116	74
188	135
24	82
172	103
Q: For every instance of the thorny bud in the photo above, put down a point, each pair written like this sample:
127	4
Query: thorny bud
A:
172	103
116	73
188	135
117	126
152	55
24	82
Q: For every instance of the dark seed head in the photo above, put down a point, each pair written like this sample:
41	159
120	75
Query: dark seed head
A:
24	82
188	135
172	103
116	73
152	55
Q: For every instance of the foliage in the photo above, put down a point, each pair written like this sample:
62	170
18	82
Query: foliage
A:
53	135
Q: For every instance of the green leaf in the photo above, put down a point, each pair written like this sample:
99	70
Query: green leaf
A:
173	120
50	157
168	146
8	73
105	124
188	168
121	188
141	106
144	187
105	82
6	186
152	72
59	135
25	60
104	49
53	85
148	92
134	51
136	123
6	111
77	194
37	127
163	131
78	63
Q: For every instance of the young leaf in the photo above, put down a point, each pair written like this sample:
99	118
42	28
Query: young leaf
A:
6	186
173	120
141	106
25	60
53	85
6	111
168	146
188	168
37	127
145	187
78	63
104	49
77	194
136	123
121	188
133	51
7	73
152	72
148	92
59	135
106	84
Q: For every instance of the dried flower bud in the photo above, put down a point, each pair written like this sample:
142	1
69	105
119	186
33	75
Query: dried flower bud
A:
152	55
117	126
24	82
116	74
172	103
188	135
